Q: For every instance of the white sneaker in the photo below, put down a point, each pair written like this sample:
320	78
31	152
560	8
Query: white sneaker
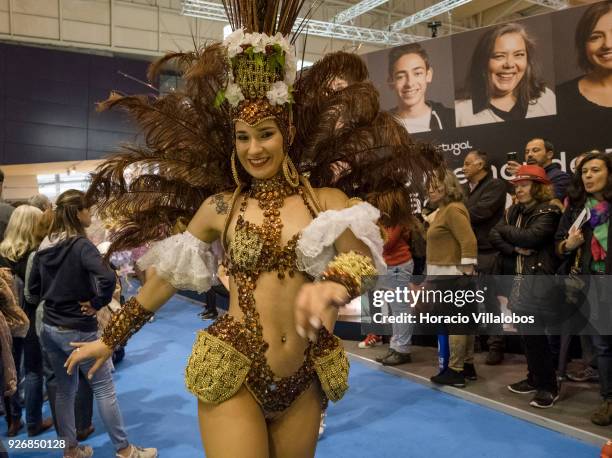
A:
139	452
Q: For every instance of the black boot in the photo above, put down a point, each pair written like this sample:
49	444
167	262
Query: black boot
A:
449	377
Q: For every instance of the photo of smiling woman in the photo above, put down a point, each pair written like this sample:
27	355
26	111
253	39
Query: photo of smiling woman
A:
591	91
503	82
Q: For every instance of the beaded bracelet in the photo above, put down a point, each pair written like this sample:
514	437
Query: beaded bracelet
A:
125	323
352	270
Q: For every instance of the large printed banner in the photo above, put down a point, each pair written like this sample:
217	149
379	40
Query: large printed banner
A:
494	89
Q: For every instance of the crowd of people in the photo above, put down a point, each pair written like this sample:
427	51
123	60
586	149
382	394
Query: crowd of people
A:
55	288
505	231
483	227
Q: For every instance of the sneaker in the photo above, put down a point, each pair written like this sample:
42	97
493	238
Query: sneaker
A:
469	371
139	452
544	399
588	374
80	451
322	424
449	377
522	387
396	358
370	341
603	415
379	359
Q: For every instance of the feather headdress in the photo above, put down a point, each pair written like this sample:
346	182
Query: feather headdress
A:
342	139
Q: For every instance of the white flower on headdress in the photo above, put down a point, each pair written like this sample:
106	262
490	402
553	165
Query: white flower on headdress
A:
283	42
290	68
259	41
233	94
278	93
233	42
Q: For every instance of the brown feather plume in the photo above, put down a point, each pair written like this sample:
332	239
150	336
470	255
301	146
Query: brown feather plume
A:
263	16
184	157
342	139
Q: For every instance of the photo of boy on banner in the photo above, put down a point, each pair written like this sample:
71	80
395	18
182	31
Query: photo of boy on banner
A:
410	74
503	81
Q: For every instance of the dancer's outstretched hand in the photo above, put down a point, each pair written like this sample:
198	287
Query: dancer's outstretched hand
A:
312	303
97	350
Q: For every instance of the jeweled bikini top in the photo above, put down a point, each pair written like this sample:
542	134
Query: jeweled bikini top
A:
257	248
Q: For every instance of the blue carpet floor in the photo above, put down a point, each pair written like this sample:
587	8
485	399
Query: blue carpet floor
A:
381	416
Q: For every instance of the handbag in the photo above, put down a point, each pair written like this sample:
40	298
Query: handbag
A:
573	284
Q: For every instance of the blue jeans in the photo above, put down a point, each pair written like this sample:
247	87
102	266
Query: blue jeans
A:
399	276
56	342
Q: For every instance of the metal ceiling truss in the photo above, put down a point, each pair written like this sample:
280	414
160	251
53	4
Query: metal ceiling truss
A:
427	13
357	10
215	12
554	4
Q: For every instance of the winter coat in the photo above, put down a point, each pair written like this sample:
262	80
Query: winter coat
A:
486	203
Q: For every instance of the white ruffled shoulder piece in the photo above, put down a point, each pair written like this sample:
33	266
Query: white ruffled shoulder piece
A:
315	248
183	260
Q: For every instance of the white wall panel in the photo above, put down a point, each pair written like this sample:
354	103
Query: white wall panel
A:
81	32
4	22
36	26
135	16
36	7
97	12
135	39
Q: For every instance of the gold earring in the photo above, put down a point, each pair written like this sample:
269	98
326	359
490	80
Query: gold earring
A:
235	170
290	171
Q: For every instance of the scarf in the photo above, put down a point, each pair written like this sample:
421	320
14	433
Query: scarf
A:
599	222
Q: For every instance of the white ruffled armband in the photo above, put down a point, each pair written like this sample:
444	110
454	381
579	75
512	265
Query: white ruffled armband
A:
183	260
315	248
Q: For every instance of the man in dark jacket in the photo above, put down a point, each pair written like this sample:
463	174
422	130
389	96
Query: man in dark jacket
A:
540	151
486	202
410	73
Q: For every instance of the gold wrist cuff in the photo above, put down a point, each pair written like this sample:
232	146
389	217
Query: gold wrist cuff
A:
125	323
352	270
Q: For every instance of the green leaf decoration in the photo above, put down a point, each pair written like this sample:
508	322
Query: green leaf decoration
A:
219	98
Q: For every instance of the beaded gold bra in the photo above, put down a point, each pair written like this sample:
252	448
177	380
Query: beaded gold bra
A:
257	248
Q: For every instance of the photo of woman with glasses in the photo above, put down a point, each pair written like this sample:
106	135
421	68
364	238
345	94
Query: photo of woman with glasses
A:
503	81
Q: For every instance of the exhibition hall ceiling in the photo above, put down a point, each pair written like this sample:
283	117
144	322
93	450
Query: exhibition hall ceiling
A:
406	16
